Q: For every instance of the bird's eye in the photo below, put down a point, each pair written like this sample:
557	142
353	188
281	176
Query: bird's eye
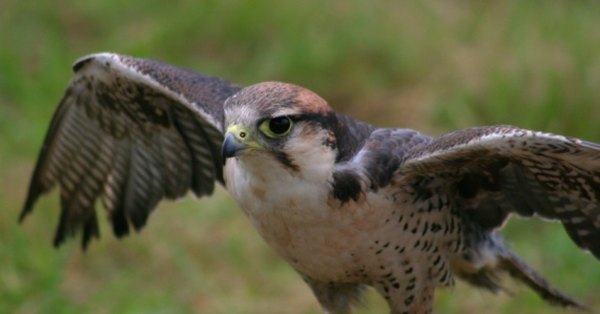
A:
276	127
280	125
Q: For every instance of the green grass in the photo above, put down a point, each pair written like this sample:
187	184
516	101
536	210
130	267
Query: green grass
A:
433	66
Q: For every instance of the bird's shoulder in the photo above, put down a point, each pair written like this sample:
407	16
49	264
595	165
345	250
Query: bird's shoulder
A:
372	164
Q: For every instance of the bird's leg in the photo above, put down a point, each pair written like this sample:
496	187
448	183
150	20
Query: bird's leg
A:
335	298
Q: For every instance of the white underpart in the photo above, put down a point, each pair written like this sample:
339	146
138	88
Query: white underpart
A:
291	209
321	237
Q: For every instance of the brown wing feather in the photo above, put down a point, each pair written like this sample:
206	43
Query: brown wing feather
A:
129	132
490	172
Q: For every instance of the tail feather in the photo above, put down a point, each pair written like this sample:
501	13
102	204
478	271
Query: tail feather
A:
488	275
486	259
521	271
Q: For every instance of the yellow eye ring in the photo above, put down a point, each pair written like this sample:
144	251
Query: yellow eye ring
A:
276	127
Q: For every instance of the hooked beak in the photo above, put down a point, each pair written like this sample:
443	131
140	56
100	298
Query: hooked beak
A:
231	147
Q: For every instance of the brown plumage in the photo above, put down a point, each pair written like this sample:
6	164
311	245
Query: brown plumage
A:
348	205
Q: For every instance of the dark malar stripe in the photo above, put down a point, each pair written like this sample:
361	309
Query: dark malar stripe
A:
286	161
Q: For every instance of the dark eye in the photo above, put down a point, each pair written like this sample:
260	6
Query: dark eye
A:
276	127
280	125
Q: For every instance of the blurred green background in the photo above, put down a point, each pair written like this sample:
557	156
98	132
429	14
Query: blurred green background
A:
430	65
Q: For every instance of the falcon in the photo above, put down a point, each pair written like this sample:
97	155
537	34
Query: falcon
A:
346	204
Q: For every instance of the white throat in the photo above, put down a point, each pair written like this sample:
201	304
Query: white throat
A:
258	178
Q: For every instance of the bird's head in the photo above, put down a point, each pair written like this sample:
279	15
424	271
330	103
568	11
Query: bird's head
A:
279	122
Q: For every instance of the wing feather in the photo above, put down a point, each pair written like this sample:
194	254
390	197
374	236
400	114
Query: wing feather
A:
114	191
129	132
490	172
177	165
195	143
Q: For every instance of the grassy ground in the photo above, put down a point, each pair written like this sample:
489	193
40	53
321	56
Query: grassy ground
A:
434	66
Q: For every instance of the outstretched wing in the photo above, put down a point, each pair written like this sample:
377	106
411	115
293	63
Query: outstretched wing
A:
490	172
129	132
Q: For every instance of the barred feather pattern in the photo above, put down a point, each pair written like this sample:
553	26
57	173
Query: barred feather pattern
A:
117	138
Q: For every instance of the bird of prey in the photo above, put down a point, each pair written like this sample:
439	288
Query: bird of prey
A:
346	204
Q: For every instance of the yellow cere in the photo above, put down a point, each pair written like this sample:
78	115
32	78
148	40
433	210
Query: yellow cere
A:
241	134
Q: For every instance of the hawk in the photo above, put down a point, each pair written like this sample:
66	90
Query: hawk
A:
346	204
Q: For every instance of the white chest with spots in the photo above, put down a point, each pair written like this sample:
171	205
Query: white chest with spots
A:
291	212
298	218
296	214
